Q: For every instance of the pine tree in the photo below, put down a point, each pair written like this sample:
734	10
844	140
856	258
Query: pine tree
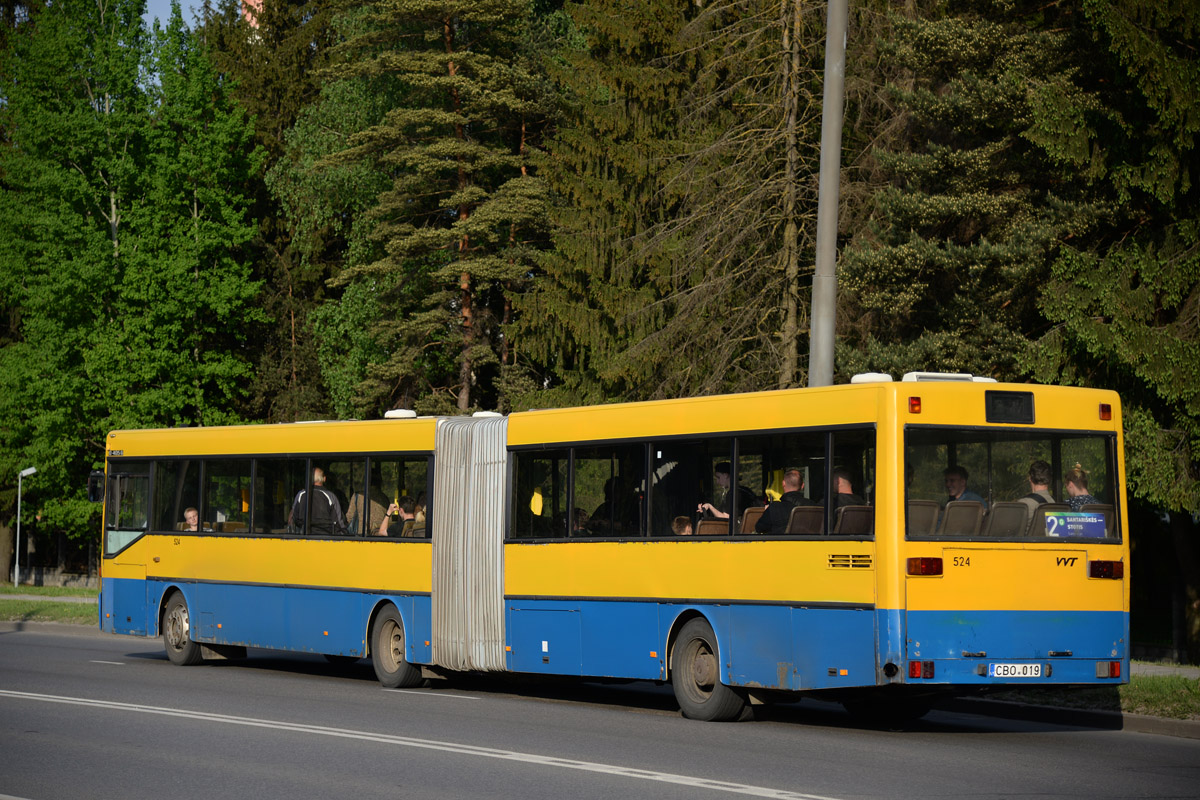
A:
461	208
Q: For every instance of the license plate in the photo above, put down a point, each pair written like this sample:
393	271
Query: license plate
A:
1014	670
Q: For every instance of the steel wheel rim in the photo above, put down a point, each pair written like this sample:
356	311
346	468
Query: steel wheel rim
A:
701	667
393	638
177	627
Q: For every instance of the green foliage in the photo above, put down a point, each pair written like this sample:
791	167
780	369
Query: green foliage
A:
118	245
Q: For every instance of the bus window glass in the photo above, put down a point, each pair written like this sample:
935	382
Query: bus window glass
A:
176	490
686	475
127	503
990	477
226	505
852	487
608	490
402	481
277	481
767	462
539	495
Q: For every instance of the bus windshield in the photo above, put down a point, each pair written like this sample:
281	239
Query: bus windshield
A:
1010	483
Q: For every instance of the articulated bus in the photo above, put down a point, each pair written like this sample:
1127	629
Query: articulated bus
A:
746	548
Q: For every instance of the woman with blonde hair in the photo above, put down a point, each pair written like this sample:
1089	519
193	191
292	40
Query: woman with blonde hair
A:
1075	483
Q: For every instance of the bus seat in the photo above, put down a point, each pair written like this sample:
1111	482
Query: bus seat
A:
1037	525
712	527
961	518
923	516
233	527
807	519
1006	519
854	520
1110	515
750	518
181	526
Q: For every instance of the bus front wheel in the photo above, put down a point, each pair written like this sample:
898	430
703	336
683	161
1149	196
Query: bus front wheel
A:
696	676
177	633
387	651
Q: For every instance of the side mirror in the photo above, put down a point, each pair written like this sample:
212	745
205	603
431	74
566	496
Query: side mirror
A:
96	486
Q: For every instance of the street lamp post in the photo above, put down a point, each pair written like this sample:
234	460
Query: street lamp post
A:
22	475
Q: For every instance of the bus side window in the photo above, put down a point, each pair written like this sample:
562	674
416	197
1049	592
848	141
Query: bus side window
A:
539	494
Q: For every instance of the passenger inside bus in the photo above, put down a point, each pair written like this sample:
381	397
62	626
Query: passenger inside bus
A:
327	516
1075	484
745	497
399	519
682	526
1039	486
775	518
844	487
191	518
956	485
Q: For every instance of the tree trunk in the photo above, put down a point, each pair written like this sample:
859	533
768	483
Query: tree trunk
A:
791	230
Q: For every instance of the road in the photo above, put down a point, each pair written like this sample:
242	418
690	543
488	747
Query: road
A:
110	717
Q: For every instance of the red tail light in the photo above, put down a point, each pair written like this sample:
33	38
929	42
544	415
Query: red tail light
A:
925	566
1106	569
920	669
1108	669
914	405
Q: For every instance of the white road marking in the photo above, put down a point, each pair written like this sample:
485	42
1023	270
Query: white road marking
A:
429	744
114	663
431	694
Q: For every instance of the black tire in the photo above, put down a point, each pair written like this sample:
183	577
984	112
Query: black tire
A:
696	676
177	633
387	651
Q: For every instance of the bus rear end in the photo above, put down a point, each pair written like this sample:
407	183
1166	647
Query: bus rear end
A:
1016	560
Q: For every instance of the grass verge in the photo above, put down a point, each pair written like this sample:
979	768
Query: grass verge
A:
1170	696
49	611
48	591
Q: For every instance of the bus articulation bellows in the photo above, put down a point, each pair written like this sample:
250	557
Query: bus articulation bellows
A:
664	541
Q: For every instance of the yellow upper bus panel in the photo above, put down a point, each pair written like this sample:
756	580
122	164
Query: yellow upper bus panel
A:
962	403
405	435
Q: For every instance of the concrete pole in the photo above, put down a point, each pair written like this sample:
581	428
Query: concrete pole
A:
824	295
17	551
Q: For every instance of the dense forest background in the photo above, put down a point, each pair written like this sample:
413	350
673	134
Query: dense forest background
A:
347	207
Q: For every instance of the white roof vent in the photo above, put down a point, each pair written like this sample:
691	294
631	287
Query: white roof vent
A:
400	413
486	414
871	377
964	377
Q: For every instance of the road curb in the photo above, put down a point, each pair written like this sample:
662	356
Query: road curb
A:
1075	717
11	626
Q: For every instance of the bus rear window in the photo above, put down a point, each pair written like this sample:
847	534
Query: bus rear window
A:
1010	484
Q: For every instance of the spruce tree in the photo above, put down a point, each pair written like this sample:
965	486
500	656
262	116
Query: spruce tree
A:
462	208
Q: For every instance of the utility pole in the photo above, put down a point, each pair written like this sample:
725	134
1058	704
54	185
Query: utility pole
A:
824	295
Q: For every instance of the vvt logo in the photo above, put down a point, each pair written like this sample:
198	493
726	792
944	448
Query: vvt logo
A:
1067	561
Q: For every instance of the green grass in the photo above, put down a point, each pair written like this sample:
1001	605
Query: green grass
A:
49	591
48	611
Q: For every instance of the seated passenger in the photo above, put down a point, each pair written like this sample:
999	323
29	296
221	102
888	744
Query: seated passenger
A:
1075	483
775	518
956	485
402	524
845	489
682	526
745	497
191	519
1039	487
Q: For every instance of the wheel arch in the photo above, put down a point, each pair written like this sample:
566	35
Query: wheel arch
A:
685	616
378	608
169	591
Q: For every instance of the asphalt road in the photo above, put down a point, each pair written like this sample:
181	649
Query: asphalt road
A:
110	717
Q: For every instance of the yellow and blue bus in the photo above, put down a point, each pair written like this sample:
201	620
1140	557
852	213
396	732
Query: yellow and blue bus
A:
744	548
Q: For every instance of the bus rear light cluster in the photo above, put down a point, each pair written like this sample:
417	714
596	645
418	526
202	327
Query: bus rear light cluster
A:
914	405
920	669
925	566
1105	411
1108	669
1106	569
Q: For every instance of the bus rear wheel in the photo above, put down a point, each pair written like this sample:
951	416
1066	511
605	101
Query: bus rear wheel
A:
387	651
696	676
177	633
